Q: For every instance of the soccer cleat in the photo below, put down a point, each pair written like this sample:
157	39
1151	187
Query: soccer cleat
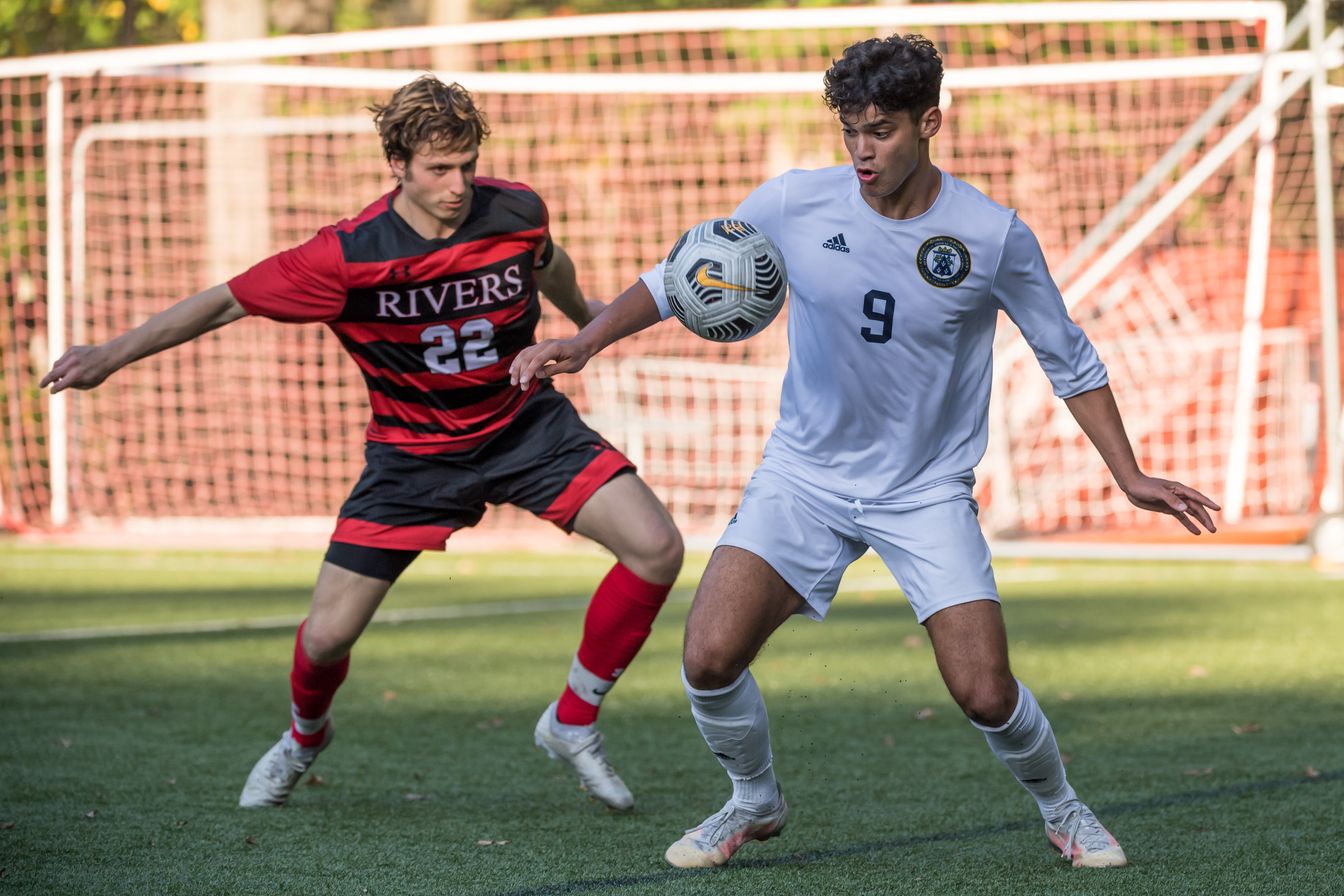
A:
588	760
722	834
1080	838
273	777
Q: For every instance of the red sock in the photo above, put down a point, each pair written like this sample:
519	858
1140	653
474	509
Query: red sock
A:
619	619
312	688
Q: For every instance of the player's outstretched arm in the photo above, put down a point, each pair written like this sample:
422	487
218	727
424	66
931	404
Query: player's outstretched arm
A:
86	366
1099	418
630	312
559	282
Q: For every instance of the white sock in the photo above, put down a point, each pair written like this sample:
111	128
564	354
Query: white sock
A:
307	726
735	726
1026	744
587	686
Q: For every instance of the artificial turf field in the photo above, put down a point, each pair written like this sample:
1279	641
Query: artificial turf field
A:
1199	706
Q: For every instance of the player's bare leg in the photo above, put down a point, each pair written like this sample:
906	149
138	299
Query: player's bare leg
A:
625	517
972	652
741	601
343	603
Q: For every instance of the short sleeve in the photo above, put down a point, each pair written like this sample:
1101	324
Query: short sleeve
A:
1027	293
300	285
545	248
542	255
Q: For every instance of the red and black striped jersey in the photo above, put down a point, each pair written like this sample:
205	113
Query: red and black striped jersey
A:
432	323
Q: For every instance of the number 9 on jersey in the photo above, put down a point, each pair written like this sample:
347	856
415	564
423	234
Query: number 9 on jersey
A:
725	280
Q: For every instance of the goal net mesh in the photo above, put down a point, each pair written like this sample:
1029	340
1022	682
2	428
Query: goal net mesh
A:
178	176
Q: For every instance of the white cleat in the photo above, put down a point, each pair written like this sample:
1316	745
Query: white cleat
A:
273	777
588	760
722	834
1080	838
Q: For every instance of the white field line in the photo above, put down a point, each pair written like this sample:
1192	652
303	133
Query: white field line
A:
503	609
384	617
267	623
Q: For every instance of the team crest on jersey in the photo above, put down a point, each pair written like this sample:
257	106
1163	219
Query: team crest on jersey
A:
943	261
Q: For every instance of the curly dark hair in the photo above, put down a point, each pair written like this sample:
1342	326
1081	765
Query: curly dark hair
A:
428	112
894	74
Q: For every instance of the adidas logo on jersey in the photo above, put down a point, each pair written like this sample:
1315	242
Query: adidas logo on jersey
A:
837	243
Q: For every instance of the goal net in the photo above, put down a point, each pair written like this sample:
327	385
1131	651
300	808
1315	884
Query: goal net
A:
1161	152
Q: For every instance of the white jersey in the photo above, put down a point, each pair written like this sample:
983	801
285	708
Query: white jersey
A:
891	330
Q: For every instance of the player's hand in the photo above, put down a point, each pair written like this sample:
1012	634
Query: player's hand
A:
81	367
547	358
1176	499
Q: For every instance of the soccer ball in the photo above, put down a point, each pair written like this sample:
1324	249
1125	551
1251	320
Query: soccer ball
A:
725	280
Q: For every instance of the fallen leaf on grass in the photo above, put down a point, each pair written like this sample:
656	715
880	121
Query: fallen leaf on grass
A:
389	696
889	741
172	782
180	823
912	642
491	842
1248	728
1198	672
923	715
1313	772
1065	758
416	797
92	813
10	825
487	724
1198	772
317	781
250	840
1066	696
66	742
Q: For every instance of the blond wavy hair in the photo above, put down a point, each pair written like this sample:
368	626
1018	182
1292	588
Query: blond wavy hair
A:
428	112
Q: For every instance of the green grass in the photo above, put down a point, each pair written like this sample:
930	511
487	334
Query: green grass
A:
121	757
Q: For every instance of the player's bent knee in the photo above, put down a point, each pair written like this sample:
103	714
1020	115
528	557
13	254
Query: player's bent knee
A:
658	556
326	644
709	666
670	554
991	705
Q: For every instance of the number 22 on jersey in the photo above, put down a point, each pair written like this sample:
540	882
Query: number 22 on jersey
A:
446	355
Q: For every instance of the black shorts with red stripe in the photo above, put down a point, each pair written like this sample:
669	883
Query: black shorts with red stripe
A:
546	461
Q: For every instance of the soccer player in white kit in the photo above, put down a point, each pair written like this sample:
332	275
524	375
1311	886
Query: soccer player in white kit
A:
897	274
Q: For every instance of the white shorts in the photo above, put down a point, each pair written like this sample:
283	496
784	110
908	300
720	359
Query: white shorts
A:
933	546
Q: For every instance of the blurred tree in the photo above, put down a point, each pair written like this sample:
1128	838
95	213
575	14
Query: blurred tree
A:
32	27
29	27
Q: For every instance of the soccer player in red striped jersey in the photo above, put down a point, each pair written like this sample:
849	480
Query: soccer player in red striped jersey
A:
432	290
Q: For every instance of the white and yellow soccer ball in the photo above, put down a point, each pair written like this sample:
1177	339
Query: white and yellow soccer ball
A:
725	280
